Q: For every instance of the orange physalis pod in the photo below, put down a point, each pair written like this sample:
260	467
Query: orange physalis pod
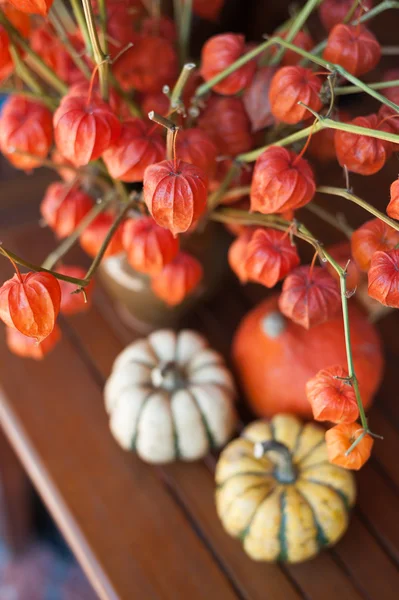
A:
72	303
353	47
372	236
196	147
33	7
227	124
94	235
27	347
64	207
238	252
383	277
340	438
178	279
332	396
393	206
291	85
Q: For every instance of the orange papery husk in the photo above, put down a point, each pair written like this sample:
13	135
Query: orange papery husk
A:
94	235
371	237
162	26
332	12
302	39
84	130
383	278
238	252
281	181
340	438
392	93
156	101
27	347
341	253
256	99
208	9
332	397
175	193
361	153
289	86
138	146
30	302
71	302
219	53
310	296
353	47
393	206
148	246
49	47
33	7
196	147
21	21
178	279
63	207
227	124
68	175
26	126
149	65
270	256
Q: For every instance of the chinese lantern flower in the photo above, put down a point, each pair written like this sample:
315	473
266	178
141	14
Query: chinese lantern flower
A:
331	397
340	438
256	99
371	237
332	12
392	93
21	21
148	246
149	65
49	47
178	279
33	7
68	175
219	53
27	347
393	206
227	124
270	256
353	47
175	193
72	303
302	39
84	129
156	101
341	253
94	235
196	147
282	181
208	9
138	146
63	207
309	296
25	126
121	21
237	253
383	277
30	302
361	153
163	26
289	86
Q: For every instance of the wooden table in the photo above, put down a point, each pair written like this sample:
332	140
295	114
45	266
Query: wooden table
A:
145	533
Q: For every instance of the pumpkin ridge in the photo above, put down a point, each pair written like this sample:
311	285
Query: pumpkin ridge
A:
322	462
338	492
253	486
296	443
321	539
252	473
246	531
312	449
136	435
283	526
211	441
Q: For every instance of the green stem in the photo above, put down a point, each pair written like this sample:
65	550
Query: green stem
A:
63	35
134	109
24	72
175	98
100	58
103	25
183	18
296	26
289	139
81	21
354	89
214	199
50	102
343	193
329	218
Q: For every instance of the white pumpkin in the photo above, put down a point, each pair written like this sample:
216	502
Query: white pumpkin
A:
170	396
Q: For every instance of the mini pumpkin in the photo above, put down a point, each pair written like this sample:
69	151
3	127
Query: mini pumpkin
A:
170	396
278	493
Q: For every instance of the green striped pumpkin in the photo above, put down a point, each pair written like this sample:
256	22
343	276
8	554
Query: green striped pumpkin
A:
277	492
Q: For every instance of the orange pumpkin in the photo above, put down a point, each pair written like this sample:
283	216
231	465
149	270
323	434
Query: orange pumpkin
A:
275	358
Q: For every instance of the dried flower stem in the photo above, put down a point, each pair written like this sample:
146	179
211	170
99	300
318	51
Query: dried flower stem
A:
81	21
216	197
50	102
100	57
175	98
354	89
329	218
183	17
58	25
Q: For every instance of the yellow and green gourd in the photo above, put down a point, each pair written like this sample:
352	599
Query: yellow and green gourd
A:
277	492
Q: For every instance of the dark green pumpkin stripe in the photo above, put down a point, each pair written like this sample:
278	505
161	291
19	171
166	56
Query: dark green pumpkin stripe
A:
321	538
339	493
298	439
319	464
283	556
211	440
256	473
145	401
253	486
245	531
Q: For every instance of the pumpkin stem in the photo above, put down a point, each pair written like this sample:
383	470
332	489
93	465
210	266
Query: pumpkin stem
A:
167	376
285	471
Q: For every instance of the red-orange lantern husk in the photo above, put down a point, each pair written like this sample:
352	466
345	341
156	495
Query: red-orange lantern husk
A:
218	53
383	277
149	65
310	296
208	9
341	253
33	7
270	256
392	93
68	175
49	47
332	12
393	206
281	181
371	237
64	207
302	39
93	236
289	86
163	26
196	147
30	302
175	193
256	99
228	125
156	101
83	129
331	397
27	347
178	279
72	303
25	126
121	21
361	153
138	146
238	252
353	47
340	438
21	21
148	246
